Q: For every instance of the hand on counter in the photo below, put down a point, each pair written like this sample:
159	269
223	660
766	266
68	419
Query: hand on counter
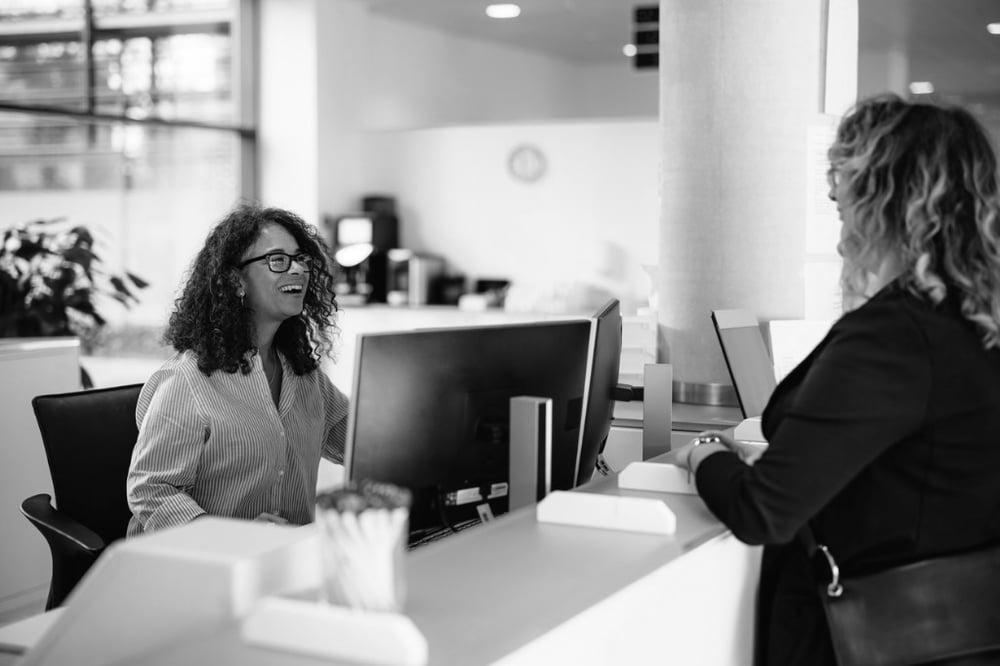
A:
706	443
271	518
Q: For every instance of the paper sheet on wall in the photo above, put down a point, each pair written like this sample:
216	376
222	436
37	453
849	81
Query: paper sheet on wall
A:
822	295
822	220
824	298
792	340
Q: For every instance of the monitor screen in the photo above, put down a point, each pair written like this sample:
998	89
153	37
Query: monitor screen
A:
747	358
430	410
602	378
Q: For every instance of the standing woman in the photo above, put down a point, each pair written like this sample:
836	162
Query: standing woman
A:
885	440
235	423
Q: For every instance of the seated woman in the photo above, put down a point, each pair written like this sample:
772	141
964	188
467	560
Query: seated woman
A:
885	440
235	423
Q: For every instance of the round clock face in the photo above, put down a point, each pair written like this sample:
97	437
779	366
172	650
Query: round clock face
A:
526	163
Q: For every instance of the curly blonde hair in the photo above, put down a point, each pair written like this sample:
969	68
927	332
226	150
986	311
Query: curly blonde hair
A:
919	183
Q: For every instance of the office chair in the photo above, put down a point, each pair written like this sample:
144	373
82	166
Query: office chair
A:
88	438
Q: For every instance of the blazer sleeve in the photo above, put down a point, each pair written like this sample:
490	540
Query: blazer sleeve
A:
335	405
867	389
165	459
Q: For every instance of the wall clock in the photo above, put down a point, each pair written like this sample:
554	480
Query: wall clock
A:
526	163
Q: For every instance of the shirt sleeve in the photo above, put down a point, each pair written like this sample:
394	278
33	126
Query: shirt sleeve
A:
867	389
335	404
165	459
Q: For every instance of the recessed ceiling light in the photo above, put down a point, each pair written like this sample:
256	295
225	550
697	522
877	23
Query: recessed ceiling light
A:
993	28
629	50
503	11
921	87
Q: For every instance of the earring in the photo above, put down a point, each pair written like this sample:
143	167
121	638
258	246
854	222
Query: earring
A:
242	294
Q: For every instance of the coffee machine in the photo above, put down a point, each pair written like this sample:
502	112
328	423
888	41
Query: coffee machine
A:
360	243
414	277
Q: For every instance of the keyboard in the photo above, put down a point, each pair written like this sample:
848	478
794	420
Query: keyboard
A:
424	537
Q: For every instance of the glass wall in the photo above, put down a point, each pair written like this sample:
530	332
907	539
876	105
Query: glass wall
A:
129	117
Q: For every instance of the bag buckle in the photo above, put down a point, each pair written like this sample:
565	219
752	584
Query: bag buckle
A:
834	588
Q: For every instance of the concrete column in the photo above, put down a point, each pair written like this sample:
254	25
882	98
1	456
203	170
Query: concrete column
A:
741	84
312	76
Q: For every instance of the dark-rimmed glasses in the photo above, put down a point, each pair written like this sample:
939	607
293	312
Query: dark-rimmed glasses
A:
280	262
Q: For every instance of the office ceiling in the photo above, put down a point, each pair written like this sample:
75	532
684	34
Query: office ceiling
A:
585	31
946	41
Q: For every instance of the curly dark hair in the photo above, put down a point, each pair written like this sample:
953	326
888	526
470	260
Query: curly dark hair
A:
210	319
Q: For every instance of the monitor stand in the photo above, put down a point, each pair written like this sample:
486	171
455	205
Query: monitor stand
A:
530	456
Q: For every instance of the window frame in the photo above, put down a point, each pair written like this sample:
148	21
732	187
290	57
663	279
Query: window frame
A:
242	28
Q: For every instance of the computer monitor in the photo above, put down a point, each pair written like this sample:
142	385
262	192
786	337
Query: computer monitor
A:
746	357
430	410
602	378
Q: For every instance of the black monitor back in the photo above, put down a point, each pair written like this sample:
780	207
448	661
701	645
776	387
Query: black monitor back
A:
430	409
602	378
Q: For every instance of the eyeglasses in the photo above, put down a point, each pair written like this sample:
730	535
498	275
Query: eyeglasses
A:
839	168
280	262
833	177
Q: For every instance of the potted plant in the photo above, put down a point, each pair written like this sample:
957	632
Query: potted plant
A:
52	282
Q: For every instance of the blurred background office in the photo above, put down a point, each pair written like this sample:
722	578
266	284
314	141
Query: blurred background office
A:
535	150
524	149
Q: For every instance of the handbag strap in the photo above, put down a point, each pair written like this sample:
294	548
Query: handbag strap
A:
833	588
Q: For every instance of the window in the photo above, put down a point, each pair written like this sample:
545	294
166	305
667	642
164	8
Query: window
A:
132	117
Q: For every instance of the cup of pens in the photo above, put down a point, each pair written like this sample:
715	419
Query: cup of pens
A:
364	527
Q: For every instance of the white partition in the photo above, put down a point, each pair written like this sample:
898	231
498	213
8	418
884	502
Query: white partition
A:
150	593
28	367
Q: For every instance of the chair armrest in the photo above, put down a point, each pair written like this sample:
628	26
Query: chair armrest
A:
52	523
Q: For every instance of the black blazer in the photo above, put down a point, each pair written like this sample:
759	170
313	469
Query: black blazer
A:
886	438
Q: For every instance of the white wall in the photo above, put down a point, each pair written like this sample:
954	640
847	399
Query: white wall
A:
591	220
429	117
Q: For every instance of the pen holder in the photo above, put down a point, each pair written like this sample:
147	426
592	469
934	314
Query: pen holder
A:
363	534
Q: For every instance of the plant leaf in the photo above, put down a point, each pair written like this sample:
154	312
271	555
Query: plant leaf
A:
120	285
83	236
30	248
79	254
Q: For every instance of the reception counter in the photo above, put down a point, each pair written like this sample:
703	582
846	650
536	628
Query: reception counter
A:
28	367
512	591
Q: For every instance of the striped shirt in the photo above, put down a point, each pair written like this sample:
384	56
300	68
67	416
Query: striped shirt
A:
219	445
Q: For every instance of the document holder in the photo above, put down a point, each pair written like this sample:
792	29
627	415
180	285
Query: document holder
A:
656	477
610	512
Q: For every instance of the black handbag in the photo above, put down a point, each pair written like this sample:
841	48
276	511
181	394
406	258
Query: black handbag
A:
935	609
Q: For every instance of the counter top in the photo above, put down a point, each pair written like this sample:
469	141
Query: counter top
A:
512	591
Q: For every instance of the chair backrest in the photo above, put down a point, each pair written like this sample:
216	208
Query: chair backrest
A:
88	438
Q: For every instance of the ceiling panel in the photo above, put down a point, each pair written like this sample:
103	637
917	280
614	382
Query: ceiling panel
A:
584	31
